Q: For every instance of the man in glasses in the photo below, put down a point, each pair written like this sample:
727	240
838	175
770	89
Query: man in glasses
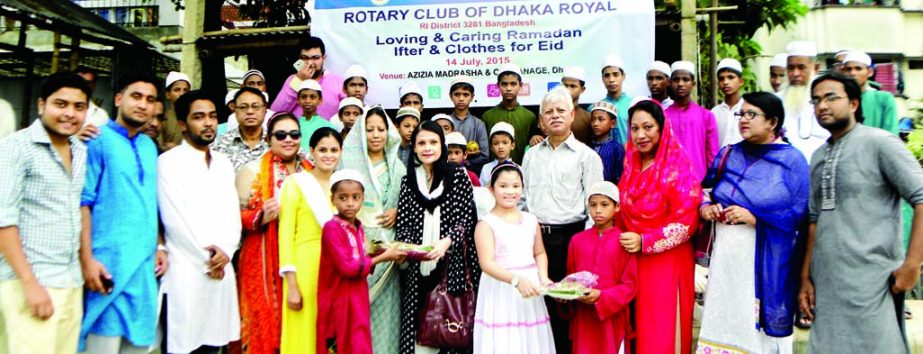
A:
247	142
310	66
730	80
855	271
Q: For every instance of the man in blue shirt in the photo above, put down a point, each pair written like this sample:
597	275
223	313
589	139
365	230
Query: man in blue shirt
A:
119	239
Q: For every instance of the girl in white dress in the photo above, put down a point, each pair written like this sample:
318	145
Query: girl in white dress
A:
511	316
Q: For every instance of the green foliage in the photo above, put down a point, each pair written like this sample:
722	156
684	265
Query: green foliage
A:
736	40
915	138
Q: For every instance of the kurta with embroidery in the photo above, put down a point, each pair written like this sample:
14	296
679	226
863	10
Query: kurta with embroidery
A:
258	265
343	300
287	99
121	192
198	208
605	325
458	216
305	206
879	110
661	203
857	183
697	132
523	121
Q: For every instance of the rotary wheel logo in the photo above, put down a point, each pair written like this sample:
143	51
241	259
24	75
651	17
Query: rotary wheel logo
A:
380	2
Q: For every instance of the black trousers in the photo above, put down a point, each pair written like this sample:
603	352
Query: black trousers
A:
556	239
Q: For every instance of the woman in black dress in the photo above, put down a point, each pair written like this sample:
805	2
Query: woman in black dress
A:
436	208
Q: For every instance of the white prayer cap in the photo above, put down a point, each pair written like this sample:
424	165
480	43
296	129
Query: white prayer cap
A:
442	116
408	88
502	127
801	49
350	101
660	66
266	96
731	64
254	72
355	70
574	72
455	138
604	188
408	111
842	52
346	174
614	60
175	76
858	57
465	79
510	68
230	96
779	60
683	65
310	85
605	107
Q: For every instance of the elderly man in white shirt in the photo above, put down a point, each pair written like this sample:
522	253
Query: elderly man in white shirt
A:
199	209
558	174
800	126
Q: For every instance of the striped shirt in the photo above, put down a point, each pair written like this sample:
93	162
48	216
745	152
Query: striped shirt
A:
43	201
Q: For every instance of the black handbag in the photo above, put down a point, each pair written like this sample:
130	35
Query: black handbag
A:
447	320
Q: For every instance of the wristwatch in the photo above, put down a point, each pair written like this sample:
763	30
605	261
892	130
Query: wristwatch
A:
162	248
515	281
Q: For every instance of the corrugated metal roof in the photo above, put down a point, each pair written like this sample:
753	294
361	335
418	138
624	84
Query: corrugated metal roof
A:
65	11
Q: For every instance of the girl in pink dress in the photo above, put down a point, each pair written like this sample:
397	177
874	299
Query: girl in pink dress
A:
510	315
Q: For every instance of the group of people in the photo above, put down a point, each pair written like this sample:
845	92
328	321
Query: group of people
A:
297	226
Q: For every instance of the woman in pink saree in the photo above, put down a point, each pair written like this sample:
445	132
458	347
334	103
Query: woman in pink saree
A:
660	199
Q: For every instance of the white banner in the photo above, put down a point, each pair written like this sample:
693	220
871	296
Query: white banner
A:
430	42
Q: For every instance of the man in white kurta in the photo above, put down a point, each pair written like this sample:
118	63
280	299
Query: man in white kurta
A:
801	127
199	210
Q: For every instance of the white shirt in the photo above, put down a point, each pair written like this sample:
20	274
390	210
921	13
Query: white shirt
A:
96	116
199	207
728	129
559	179
802	129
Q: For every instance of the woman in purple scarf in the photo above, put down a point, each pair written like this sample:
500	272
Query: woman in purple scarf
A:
759	204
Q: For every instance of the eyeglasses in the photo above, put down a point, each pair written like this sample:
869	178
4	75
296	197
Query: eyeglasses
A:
747	115
826	99
313	57
244	108
281	134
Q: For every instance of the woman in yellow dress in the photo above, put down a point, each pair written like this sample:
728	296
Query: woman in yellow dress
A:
305	207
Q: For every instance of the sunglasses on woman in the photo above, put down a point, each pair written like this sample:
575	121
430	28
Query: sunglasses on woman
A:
281	134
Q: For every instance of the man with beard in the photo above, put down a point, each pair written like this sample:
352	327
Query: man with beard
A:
312	52
246	142
658	82
777	71
120	251
800	127
695	127
154	125
730	80
199	209
855	271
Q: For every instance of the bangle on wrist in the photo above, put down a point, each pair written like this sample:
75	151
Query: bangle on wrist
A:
162	248
515	281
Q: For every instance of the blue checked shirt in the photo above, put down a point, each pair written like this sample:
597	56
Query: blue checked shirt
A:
43	201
